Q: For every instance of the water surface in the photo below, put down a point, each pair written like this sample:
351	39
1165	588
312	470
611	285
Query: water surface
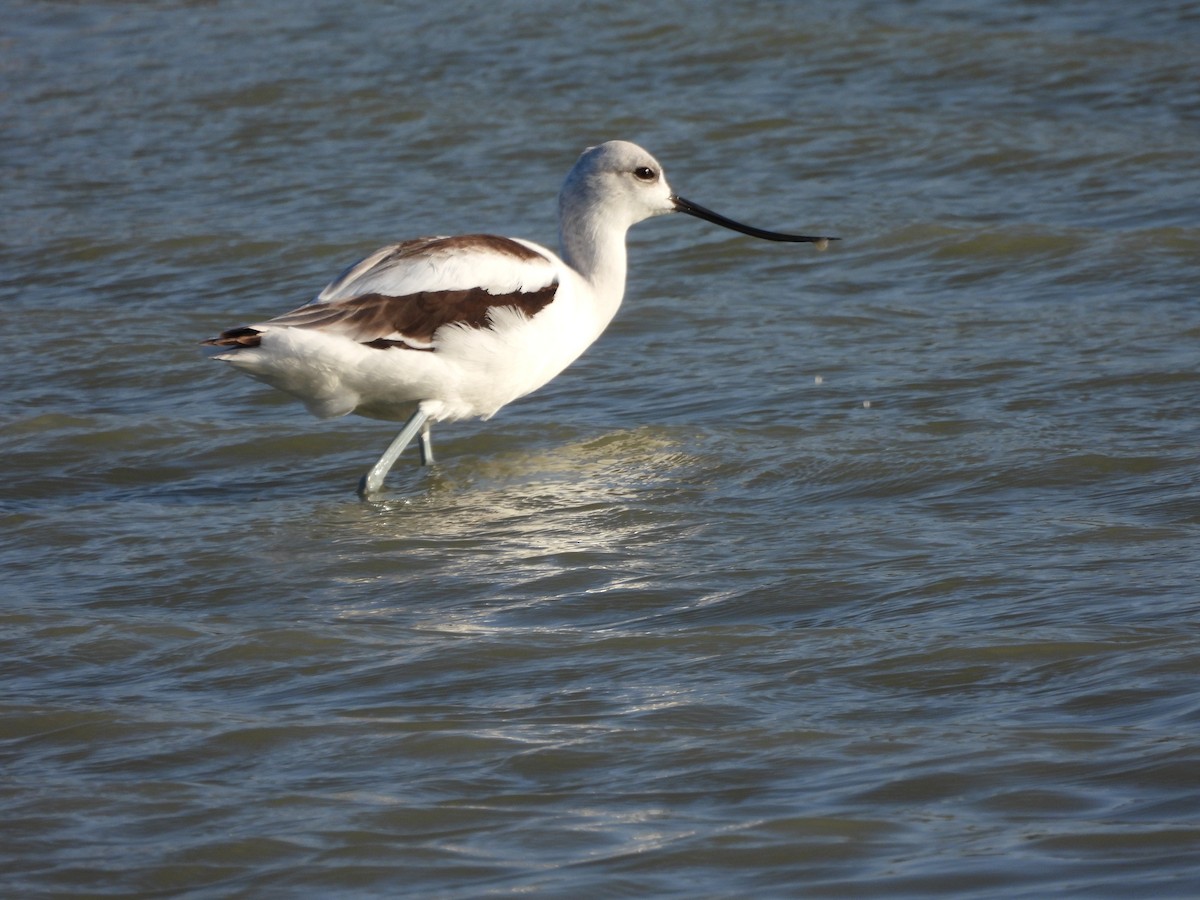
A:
864	573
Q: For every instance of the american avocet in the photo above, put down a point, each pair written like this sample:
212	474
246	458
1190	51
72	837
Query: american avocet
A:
462	325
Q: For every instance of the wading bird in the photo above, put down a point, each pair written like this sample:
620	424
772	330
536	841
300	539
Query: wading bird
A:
461	326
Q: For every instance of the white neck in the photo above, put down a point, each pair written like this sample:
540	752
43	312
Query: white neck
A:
591	239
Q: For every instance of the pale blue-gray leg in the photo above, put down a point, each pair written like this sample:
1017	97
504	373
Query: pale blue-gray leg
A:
373	480
426	444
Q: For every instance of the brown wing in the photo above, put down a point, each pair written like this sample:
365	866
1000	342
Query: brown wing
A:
406	322
409	320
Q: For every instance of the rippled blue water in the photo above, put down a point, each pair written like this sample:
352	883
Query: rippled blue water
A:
864	573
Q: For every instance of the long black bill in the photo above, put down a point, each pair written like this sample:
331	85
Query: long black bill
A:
695	209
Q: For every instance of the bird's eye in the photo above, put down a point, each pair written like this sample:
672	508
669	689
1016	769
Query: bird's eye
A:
645	173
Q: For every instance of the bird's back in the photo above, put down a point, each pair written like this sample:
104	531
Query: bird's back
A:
472	322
